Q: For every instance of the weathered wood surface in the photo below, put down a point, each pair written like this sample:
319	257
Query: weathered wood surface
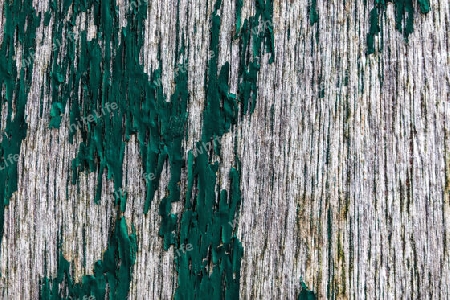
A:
350	191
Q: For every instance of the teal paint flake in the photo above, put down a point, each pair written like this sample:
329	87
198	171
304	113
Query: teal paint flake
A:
313	14
373	31
141	110
424	6
404	18
55	115
305	293
112	275
14	88
255	32
159	126
142	107
239	6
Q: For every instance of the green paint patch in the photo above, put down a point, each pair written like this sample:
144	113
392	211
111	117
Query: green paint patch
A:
108	72
112	275
373	31
14	88
305	293
251	45
55	115
404	18
239	5
142	108
212	269
313	14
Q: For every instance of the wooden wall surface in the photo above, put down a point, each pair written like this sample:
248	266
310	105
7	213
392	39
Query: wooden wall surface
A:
344	162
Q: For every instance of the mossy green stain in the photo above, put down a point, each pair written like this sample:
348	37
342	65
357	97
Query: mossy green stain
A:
112	274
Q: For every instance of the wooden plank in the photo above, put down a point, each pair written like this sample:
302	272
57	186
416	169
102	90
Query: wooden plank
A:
337	171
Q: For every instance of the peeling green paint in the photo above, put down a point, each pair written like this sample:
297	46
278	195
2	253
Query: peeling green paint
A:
305	293
374	29
239	5
160	127
313	14
404	19
90	76
15	86
112	274
212	270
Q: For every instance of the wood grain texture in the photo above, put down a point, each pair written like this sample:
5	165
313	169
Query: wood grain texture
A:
349	191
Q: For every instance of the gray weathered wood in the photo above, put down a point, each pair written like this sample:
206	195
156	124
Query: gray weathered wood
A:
349	190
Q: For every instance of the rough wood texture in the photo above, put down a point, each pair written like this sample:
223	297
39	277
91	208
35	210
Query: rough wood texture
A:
349	191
